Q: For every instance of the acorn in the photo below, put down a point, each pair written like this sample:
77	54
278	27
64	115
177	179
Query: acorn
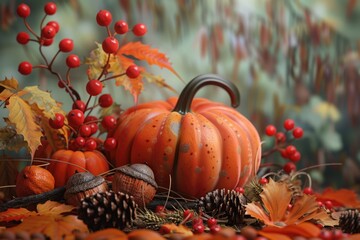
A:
82	185
136	180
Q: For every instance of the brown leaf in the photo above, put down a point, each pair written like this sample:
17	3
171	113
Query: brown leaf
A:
5	94
15	214
109	233
276	197
21	115
54	226
11	84
53	208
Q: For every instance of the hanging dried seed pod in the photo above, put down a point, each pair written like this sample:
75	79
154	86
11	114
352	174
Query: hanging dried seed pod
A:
136	180
82	185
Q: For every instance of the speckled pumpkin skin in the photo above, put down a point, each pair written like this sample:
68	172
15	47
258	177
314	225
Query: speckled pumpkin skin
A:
211	146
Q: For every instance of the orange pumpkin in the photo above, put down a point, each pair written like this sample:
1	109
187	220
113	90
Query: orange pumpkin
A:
65	163
205	147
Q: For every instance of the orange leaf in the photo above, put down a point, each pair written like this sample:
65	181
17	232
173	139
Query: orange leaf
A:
274	236
53	208
54	226
341	197
11	84
15	214
5	94
148	54
305	229
172	228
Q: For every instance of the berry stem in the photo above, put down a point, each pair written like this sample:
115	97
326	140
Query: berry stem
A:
30	29
42	22
104	67
52	60
269	152
303	173
42	55
108	31
114	76
68	76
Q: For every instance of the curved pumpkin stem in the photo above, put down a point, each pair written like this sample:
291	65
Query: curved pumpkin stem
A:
187	95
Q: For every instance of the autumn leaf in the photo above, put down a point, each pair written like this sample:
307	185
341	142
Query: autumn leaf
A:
275	200
11	84
158	80
10	140
109	233
43	100
56	227
171	228
53	208
341	197
305	229
15	214
144	52
5	95
21	115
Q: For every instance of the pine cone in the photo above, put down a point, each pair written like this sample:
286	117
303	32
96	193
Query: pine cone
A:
350	221
224	204
108	209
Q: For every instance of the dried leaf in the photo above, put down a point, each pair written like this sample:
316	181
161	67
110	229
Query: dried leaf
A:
10	140
43	100
158	80
275	198
21	115
11	84
53	208
305	229
9	169
56	227
15	214
172	228
148	54
341	197
109	233
5	94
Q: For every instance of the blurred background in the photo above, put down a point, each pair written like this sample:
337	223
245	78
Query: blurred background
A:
290	59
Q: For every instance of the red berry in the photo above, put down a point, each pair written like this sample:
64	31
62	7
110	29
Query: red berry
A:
80	141
91	119
308	191
108	122
211	222
289	207
289	167
85	130
73	61
133	71
121	27
289	124
75	117
196	221
215	229
284	154
263	181
54	24
240	190
103	18
73	145
198	228
61	84
66	45
110	144
94	127
94	87
338	234
90	144
105	100
58	121
159	209
298	132
188	214
48	32
46	41
326	235
320	204
23	10
139	29
328	204
78	104
23	38
270	130
280	137
25	68
110	45
290	150
50	8
295	157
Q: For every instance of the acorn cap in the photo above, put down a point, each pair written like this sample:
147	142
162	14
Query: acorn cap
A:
139	171
82	181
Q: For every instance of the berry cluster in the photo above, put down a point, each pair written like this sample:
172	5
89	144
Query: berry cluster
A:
79	120
283	142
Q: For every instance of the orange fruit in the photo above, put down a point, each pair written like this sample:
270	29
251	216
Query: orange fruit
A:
34	180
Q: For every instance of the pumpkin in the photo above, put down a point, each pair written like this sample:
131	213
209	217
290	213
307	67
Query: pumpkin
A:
202	145
65	163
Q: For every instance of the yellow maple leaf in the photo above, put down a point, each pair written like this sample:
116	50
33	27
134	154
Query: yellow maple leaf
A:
11	84
5	94
52	207
24	120
275	200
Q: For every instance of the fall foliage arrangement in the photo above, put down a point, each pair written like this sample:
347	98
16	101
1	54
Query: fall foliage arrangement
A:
185	168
